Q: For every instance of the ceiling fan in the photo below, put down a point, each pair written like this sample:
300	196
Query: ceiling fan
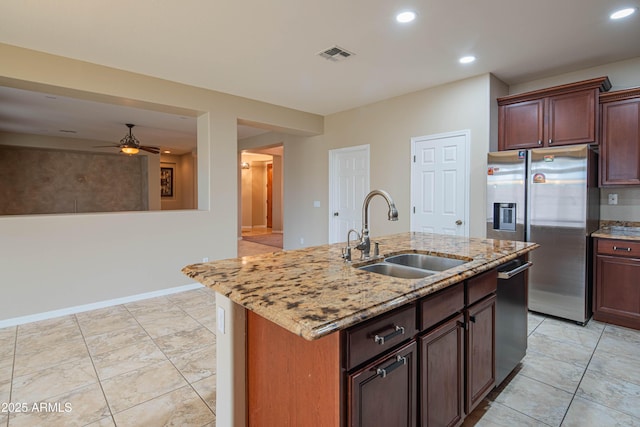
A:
131	145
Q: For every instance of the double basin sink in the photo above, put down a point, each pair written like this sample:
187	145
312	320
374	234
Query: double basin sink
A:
413	265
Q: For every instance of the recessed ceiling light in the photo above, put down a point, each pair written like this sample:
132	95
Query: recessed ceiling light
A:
622	13
406	16
167	152
467	59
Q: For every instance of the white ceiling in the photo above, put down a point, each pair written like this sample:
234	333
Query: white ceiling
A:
267	50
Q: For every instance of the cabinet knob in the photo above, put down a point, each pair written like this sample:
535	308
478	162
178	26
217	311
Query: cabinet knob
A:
336	214
539	142
459	222
550	141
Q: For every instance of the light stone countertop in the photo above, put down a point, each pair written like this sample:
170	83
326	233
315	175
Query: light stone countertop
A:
625	231
313	292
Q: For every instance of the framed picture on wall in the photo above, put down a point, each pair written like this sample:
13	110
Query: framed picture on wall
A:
166	182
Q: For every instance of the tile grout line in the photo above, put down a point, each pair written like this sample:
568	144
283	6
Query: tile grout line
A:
84	340
177	369
13	370
602	403
582	376
169	360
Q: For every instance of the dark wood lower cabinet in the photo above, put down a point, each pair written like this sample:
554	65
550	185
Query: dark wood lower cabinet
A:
617	298
427	363
384	393
480	347
442	375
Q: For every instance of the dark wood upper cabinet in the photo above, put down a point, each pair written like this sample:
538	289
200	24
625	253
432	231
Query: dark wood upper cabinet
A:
560	115
620	140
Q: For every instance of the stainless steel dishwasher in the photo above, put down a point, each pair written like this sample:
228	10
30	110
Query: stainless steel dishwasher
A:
511	316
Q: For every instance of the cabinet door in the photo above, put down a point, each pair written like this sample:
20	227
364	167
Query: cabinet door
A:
384	393
620	150
521	125
571	118
442	375
617	291
480	347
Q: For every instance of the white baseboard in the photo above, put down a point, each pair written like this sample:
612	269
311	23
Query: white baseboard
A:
94	306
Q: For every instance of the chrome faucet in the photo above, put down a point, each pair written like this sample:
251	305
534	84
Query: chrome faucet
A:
365	244
346	252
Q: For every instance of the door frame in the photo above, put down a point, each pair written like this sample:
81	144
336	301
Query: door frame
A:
332	180
466	133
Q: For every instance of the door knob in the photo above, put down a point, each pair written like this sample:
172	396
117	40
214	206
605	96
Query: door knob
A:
459	222
336	214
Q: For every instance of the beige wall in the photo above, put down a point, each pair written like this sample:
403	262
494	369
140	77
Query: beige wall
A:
66	260
57	261
302	176
259	194
27	140
184	181
246	198
388	127
254	194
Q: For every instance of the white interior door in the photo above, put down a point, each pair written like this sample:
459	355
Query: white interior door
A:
439	183
348	186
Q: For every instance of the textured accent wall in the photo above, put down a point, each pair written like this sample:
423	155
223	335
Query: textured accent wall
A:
41	181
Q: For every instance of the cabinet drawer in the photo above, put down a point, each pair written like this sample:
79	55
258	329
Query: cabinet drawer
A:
378	335
481	285
440	306
625	248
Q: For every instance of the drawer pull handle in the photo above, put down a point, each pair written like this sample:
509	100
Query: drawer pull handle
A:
399	330
616	248
400	361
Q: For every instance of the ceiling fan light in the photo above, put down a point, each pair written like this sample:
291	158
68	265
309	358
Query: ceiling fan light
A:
129	150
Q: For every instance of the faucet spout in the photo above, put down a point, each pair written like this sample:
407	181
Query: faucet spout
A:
365	243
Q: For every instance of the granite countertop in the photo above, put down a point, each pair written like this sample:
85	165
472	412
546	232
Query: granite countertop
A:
313	292
618	230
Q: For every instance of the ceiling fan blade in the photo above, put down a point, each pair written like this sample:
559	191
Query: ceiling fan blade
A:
106	146
153	150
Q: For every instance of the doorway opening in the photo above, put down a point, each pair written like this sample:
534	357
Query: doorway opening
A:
261	196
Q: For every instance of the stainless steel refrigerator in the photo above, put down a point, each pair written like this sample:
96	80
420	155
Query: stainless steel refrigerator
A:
549	196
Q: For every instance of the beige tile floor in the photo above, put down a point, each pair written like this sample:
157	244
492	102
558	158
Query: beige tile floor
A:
152	363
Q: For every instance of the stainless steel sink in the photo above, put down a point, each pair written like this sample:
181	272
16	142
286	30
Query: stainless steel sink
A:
425	262
396	270
412	266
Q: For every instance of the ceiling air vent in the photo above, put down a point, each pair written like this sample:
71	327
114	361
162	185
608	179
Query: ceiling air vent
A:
335	54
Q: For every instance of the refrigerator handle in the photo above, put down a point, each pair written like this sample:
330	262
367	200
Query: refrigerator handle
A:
527	198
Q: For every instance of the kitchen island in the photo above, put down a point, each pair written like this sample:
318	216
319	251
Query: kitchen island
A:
303	306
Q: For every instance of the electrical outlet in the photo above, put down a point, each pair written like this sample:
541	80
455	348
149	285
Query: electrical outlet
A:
613	199
205	259
302	240
220	320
